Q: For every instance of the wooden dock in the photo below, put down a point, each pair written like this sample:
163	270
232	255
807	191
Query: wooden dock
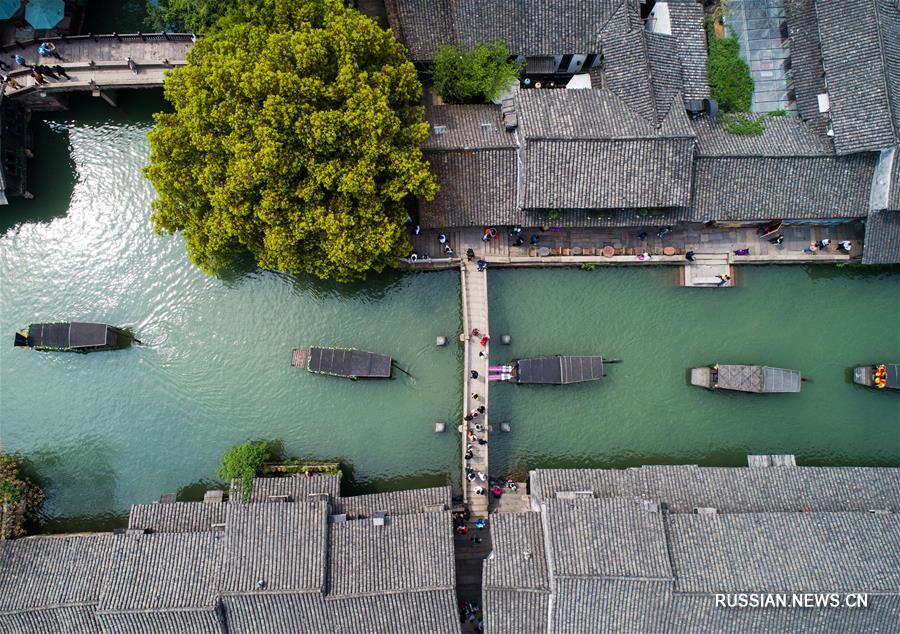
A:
299	357
707	270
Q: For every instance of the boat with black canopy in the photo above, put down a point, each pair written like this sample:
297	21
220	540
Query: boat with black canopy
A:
75	336
881	376
759	379
343	362
551	370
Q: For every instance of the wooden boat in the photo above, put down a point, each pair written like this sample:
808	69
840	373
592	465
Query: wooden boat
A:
76	336
882	376
342	362
556	370
760	379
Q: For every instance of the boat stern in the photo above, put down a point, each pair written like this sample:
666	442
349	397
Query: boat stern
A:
22	339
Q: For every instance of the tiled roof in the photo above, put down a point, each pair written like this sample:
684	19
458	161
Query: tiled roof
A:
807	71
882	240
782	187
588	605
686	19
894	195
179	517
424	612
588	149
277	612
668	81
468	127
52	584
515	612
159	571
297	488
781	552
625	70
789	171
477	187
475	166
782	136
518	559
275	547
732	489
365	558
529	27
605	538
579	114
860	42
394	502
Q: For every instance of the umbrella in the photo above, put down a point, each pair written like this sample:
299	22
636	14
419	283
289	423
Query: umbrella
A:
44	14
8	8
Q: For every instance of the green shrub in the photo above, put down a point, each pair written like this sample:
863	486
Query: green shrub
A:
781	112
245	462
730	83
17	493
587	266
473	75
742	124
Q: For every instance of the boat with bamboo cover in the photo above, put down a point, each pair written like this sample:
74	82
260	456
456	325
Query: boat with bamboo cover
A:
550	370
75	336
759	379
343	362
881	376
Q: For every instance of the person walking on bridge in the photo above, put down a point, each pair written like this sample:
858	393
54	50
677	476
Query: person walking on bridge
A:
61	71
48	49
38	78
46	70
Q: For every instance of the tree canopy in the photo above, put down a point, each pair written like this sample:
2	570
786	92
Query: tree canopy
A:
730	83
294	138
196	16
465	75
244	462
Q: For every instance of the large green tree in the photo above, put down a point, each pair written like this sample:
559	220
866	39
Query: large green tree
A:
294	139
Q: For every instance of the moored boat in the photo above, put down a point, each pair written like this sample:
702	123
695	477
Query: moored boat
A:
759	379
881	376
343	362
550	370
76	336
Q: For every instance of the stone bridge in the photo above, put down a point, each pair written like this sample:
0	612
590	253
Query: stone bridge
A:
96	63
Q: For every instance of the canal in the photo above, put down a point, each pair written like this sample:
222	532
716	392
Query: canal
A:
110	429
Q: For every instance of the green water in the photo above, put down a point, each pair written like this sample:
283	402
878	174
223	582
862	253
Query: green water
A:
820	320
111	429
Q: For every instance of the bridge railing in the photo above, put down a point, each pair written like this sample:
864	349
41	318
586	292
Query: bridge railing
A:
118	37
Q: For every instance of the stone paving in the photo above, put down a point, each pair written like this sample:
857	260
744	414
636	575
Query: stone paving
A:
760	27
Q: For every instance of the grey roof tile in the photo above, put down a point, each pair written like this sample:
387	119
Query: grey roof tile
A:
180	517
579	114
625	69
862	70
515	612
604	605
782	136
807	70
518	559
394	502
784	552
406	553
882	240
162	571
282	545
529	27
296	488
425	612
467	127
589	537
732	489
288	612
605	217
686	19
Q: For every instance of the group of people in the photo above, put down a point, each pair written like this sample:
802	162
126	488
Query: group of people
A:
39	72
880	377
471	617
844	246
